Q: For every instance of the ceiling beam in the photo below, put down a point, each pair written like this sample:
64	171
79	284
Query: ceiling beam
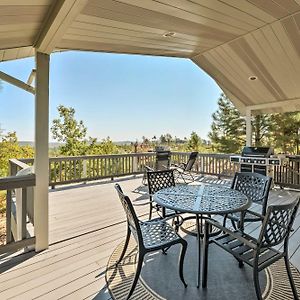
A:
285	103
31	76
16	82
63	14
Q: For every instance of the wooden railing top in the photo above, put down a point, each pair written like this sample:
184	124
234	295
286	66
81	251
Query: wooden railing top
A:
15	182
20	163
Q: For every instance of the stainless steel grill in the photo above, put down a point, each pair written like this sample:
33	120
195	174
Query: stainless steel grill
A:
256	159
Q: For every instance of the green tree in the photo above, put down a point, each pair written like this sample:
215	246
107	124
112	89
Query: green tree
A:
261	128
228	127
72	133
286	132
105	147
162	139
10	148
169	139
195	142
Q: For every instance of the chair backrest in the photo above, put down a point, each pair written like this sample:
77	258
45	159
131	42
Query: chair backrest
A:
132	219
158	180
162	160
278	223
189	165
255	186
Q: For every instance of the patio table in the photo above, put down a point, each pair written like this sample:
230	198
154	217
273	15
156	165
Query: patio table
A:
199	200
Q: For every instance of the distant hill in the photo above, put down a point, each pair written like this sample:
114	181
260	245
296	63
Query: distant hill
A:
30	143
56	144
121	143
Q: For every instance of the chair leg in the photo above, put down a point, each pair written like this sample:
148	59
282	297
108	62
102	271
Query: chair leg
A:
292	283
233	224
256	282
125	246
205	256
224	221
137	274
181	261
164	250
150	212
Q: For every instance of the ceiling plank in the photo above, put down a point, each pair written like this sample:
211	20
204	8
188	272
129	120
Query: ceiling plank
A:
63	14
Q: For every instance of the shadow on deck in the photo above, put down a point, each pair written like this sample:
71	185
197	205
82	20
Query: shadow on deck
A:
86	223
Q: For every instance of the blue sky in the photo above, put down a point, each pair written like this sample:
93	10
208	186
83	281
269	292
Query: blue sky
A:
121	96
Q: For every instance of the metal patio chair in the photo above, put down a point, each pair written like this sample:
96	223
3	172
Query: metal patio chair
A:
158	180
184	170
256	187
162	162
257	253
150	236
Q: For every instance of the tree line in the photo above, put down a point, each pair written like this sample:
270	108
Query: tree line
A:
228	130
227	135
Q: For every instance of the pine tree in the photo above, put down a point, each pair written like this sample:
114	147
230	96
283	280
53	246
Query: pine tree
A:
228	128
195	142
286	132
261	129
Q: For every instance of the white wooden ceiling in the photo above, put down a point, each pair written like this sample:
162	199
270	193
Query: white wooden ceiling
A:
231	40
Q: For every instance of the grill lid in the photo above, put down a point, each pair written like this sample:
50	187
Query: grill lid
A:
257	151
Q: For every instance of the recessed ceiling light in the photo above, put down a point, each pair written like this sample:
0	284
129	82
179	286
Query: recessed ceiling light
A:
252	78
169	34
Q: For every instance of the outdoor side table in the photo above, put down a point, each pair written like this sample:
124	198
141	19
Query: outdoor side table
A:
199	200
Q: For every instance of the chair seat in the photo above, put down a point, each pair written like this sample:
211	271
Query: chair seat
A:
245	252
157	233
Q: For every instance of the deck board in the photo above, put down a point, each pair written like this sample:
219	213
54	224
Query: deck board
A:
86	223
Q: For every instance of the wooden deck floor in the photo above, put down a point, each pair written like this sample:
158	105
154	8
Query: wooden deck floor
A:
86	224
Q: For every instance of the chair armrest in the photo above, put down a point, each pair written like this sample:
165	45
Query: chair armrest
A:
260	216
141	204
230	232
148	169
182	165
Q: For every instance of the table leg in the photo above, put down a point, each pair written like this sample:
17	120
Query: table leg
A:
199	248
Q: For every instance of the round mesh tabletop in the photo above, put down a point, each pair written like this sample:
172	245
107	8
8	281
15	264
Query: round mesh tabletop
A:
202	199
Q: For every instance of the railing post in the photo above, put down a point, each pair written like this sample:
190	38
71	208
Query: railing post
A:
84	169
201	164
12	169
135	164
8	216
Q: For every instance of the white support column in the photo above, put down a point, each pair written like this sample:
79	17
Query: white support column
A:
41	161
248	128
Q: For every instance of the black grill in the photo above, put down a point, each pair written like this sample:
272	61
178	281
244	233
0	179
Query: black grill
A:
264	152
254	159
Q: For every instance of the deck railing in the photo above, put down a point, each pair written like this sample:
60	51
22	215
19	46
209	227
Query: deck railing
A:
65	170
288	174
19	208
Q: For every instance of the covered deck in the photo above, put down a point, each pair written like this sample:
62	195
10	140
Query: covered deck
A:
87	223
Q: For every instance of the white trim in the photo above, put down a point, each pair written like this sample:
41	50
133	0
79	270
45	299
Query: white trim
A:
16	82
285	103
63	14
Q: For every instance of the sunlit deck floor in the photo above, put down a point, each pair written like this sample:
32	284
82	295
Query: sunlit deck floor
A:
86	224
